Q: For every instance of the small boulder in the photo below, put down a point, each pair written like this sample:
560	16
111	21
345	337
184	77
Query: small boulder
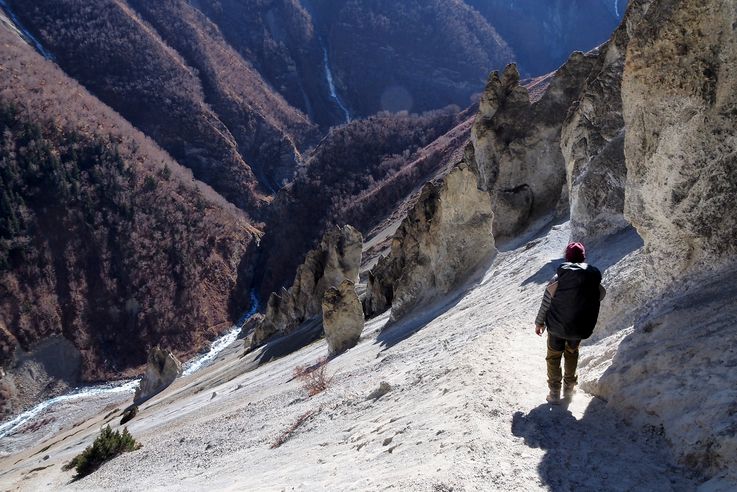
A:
342	317
383	389
162	369
128	414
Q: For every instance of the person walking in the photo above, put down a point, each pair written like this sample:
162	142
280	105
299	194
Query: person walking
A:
569	310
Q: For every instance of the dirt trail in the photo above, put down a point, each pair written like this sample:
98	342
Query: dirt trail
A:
466	412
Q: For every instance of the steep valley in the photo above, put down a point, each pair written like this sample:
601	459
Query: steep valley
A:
172	167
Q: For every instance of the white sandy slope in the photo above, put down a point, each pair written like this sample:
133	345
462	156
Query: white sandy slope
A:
466	411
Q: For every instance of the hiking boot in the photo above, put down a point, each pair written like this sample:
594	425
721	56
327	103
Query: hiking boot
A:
568	391
553	397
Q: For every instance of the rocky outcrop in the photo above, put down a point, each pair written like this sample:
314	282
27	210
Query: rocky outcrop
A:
592	142
680	99
672	368
516	143
250	326
337	257
342	317
444	237
162	369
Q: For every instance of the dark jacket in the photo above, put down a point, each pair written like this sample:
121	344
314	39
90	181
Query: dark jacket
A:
574	307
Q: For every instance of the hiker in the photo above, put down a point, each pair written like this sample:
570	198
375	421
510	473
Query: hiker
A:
569	310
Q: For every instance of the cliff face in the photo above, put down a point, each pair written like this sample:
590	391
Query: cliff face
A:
592	142
670	367
516	143
679	100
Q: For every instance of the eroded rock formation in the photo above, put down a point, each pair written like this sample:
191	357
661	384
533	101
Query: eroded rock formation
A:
670	369
336	258
592	142
443	238
516	143
342	317
162	369
680	99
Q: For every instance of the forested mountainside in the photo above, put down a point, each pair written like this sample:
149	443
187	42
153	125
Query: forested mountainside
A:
413	55
131	96
90	239
278	37
419	55
380	55
105	240
165	68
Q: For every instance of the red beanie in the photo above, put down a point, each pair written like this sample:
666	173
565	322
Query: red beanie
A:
575	253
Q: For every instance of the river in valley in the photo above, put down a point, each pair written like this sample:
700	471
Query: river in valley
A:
117	390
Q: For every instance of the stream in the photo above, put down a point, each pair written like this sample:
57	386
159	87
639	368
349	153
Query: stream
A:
130	385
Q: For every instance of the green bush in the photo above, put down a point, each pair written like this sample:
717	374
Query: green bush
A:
107	446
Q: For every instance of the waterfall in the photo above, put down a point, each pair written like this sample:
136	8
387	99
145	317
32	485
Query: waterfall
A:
331	85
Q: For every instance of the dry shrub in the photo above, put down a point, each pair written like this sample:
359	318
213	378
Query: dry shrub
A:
284	436
314	378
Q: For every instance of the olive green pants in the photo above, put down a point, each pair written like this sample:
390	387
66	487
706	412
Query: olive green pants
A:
568	350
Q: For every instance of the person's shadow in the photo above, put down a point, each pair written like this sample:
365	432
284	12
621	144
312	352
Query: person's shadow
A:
597	452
